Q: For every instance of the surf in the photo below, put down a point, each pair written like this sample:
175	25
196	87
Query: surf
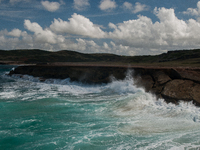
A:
71	115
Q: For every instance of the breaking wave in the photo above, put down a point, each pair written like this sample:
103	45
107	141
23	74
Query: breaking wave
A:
117	115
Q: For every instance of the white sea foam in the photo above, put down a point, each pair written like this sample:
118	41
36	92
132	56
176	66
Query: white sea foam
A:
142	113
7	94
128	109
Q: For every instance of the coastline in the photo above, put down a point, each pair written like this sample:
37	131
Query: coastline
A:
170	83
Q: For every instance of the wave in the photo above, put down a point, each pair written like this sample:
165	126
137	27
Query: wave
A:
128	98
121	110
115	87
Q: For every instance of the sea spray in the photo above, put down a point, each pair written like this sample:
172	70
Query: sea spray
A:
60	114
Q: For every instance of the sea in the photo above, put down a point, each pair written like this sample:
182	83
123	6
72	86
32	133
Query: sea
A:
64	115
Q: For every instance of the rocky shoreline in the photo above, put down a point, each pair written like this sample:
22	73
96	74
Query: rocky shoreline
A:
172	84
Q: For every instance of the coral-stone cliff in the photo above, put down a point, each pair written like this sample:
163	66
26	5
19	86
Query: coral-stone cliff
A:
172	84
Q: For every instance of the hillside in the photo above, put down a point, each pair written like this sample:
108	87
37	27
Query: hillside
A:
171	58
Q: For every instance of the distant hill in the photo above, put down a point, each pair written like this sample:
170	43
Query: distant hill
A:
178	57
36	56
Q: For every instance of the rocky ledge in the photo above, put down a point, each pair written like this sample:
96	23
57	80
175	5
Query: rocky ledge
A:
172	84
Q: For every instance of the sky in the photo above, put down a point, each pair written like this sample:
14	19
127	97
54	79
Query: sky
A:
122	27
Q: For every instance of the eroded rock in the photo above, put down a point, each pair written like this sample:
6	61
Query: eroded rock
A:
171	84
182	90
161	78
191	74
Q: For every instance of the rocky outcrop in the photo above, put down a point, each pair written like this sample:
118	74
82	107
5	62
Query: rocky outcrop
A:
172	84
182	89
85	74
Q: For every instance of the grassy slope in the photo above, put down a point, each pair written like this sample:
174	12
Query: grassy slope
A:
172	58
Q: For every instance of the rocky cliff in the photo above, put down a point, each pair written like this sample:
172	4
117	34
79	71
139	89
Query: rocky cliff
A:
172	84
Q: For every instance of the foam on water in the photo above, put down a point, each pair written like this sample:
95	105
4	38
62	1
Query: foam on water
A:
130	99
72	115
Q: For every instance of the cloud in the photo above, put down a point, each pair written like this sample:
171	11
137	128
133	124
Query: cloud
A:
50	6
139	36
78	25
136	8
127	5
29	41
139	7
169	33
15	41
90	46
193	11
81	4
42	36
15	33
107	4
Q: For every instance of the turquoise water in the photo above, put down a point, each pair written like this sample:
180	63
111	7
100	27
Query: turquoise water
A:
64	115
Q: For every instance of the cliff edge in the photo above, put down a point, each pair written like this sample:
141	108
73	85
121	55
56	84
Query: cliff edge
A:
171	83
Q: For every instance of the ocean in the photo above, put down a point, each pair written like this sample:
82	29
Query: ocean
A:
64	115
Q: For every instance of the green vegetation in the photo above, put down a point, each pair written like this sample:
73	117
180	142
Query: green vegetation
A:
171	58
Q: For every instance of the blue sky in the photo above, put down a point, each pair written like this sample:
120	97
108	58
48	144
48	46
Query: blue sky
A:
123	27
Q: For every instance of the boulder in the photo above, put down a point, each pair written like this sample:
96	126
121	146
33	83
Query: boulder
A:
160	77
189	74
182	90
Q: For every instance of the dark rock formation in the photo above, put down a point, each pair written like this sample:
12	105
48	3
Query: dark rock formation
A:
186	90
189	74
172	84
85	74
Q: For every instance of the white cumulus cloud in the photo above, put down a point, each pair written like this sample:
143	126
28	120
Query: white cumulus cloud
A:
50	6
15	33
42	36
168	33
107	4
193	11
139	36
127	5
78	25
138	7
90	46
81	4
